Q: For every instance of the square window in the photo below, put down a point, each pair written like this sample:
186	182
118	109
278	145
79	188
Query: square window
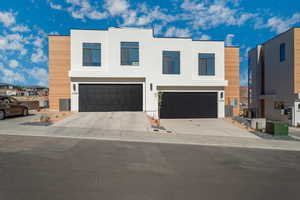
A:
91	54
130	53
171	62
206	64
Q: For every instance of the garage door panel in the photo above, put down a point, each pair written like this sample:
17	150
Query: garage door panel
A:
189	105
110	97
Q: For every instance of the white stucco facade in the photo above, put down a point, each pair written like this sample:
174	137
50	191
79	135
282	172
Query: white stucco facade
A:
149	71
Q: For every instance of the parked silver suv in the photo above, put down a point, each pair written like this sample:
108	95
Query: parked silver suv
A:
9	106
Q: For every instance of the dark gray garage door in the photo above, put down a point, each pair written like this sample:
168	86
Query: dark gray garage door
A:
110	97
189	105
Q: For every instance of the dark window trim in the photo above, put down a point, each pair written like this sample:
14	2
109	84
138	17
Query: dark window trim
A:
282	52
123	64
174	74
91	65
214	70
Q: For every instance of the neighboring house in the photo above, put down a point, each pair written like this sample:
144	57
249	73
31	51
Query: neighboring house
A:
9	89
35	91
244	101
128	69
274	78
244	96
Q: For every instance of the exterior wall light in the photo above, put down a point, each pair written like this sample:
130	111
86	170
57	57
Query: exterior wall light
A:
221	95
74	87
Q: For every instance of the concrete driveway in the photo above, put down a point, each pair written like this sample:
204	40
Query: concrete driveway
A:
210	127
125	121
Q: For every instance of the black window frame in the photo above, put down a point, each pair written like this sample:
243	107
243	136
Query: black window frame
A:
206	72
129	61
282	52
90	50
164	69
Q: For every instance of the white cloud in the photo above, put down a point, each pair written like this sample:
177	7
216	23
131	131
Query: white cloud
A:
192	5
10	76
244	57
38	56
20	28
144	16
209	15
54	33
13	42
229	39
158	29
13	63
80	9
278	24
177	32
39	74
55	6
116	7
38	42
244	78
205	37
7	18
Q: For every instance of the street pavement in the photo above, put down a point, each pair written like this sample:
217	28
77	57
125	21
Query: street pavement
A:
42	168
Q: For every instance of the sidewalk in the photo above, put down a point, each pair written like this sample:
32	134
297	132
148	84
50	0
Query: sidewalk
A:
150	137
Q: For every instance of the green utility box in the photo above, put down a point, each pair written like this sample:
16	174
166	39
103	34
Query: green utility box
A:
277	128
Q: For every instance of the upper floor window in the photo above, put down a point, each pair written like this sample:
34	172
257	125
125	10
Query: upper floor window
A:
206	64
282	52
91	54
130	53
171	62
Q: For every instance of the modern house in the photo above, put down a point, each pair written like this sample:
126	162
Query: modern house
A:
274	78
129	69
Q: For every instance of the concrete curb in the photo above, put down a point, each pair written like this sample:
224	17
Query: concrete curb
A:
171	139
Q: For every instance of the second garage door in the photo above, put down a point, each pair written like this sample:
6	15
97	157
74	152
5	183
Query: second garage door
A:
189	105
110	97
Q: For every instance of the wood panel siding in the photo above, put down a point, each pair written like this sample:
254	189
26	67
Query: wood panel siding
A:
297	60
232	75
59	66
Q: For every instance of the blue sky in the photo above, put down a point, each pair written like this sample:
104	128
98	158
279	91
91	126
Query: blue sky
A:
25	24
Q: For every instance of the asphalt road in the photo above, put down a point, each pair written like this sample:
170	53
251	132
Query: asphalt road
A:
39	168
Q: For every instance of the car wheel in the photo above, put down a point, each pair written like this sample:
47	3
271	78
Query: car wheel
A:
2	114
25	112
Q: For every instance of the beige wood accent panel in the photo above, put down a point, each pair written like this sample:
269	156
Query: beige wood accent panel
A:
297	60
59	65
232	75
